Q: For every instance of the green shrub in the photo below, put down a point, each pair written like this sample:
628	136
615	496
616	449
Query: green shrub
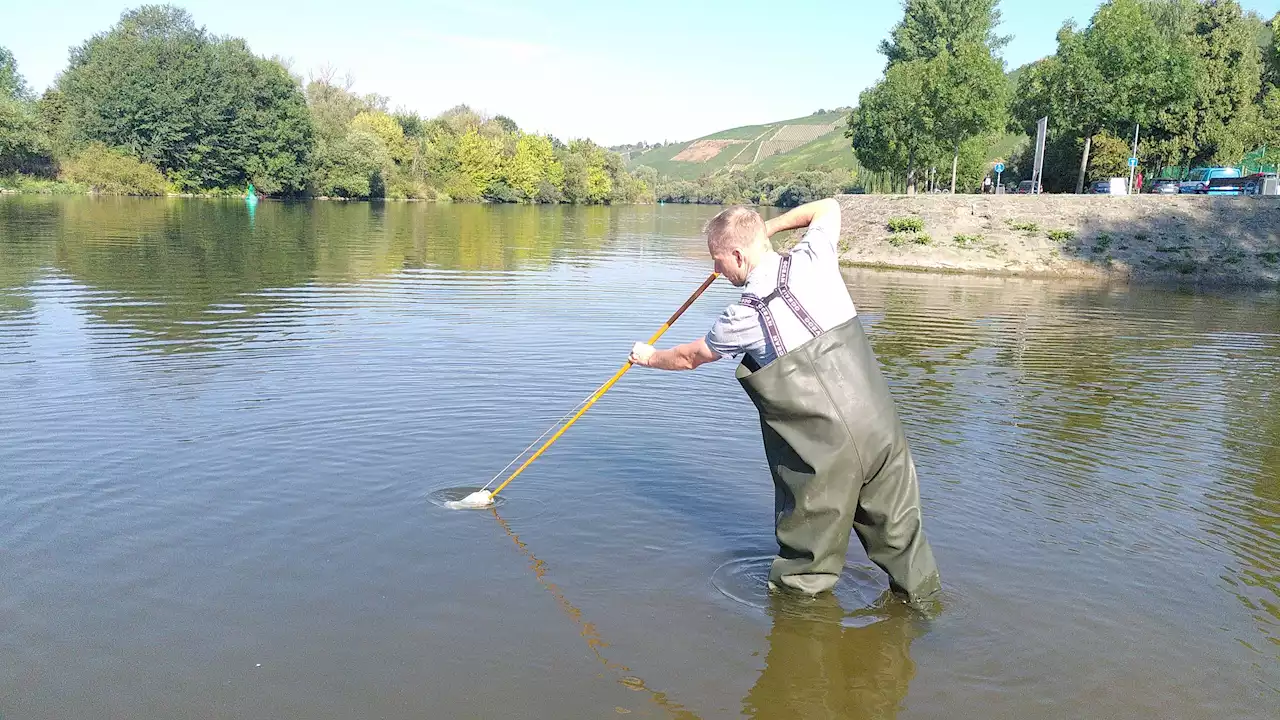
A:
461	189
967	240
1062	236
905	224
1023	226
898	239
1102	243
921	239
500	192
112	172
40	186
548	193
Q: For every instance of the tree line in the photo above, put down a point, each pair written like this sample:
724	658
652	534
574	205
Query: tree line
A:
156	104
1200	78
755	187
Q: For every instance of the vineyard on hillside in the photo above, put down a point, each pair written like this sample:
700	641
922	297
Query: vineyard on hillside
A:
790	137
743	147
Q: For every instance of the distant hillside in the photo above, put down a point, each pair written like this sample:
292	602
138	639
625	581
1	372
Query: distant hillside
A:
815	141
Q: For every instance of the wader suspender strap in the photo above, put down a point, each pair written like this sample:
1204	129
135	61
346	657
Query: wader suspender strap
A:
761	305
784	291
770	326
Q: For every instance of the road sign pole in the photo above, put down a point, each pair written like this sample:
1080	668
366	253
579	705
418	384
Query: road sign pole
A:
1037	166
1133	157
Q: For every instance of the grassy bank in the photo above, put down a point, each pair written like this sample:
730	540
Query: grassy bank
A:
40	186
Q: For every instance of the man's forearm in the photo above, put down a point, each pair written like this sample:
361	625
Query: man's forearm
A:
676	358
801	216
681	357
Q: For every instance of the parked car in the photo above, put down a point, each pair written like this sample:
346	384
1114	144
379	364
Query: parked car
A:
1026	187
1228	186
1165	186
1262	183
1101	187
1197	183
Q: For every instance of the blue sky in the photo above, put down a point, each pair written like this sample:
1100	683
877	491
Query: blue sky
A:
615	72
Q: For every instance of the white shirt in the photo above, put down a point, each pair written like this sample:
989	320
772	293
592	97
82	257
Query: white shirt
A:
815	281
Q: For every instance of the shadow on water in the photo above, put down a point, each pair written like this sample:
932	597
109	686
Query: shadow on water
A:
818	667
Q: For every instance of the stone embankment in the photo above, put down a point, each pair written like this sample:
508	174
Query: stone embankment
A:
1180	238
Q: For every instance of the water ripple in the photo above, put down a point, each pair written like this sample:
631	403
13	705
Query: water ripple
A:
219	437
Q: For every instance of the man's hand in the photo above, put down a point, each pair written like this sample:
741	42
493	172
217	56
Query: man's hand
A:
641	354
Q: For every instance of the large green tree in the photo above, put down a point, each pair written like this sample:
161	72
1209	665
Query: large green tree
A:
968	95
12	84
892	128
943	87
1216	126
345	163
930	28
480	165
24	144
1175	19
1270	45
1118	71
533	164
204	110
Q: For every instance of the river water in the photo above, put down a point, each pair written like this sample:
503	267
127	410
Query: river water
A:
224	432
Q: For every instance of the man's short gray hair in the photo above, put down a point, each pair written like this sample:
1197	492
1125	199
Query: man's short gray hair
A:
733	228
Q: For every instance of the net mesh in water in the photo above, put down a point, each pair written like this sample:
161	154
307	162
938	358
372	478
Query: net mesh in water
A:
477	499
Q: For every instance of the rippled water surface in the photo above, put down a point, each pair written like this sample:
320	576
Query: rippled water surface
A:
224	438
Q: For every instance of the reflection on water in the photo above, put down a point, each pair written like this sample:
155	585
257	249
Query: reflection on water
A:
590	633
1123	405
195	275
220	433
817	667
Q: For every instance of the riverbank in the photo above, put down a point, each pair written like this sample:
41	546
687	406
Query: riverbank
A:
1193	239
37	186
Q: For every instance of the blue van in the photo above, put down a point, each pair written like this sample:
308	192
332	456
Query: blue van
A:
1197	181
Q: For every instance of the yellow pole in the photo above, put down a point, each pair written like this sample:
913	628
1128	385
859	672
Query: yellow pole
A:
616	376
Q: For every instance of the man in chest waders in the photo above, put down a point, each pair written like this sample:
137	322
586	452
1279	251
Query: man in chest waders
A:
832	437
